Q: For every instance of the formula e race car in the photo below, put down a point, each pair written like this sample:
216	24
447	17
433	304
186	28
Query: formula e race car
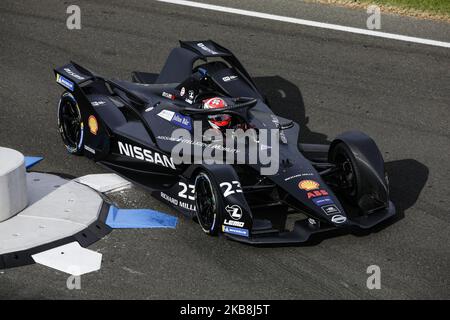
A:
171	133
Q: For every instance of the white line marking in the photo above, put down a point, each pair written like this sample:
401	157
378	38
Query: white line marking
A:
308	23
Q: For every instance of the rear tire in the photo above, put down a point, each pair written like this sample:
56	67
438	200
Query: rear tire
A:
208	204
70	124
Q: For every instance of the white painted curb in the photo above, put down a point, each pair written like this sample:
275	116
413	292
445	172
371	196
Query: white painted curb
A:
13	184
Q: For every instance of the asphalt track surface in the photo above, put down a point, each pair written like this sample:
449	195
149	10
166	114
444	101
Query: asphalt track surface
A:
330	82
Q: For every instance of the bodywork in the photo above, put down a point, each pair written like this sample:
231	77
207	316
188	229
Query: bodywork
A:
123	130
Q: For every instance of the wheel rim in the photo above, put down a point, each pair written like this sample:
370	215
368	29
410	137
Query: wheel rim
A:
205	201
71	123
347	177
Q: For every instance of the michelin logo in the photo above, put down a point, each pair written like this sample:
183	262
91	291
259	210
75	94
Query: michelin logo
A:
64	82
237	231
146	155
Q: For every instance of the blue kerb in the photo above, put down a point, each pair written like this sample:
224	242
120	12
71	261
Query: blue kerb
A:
31	161
139	218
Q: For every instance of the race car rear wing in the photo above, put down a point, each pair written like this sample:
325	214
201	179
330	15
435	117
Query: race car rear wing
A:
206	48
210	49
73	74
74	77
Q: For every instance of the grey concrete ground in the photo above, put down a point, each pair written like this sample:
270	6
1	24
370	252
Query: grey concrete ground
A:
398	93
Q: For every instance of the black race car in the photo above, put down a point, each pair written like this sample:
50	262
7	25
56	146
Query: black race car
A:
129	126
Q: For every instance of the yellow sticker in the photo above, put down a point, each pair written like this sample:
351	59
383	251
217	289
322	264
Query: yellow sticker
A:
93	125
308	185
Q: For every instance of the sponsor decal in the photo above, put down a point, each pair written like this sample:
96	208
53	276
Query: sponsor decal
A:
73	74
182	121
199	143
308	185
182	91
330	209
187	206
298	176
189	101
87	148
275	120
178	203
205	48
97	103
93	125
169	198
166	114
233	223
229	78
143	154
65	82
237	231
338	219
231	188
316	193
176	118
148	109
234	211
184	189
168	95
321	201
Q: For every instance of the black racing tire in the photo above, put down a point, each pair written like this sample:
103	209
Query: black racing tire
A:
70	124
349	180
208	204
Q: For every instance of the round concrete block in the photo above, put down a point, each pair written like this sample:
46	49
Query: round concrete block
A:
13	184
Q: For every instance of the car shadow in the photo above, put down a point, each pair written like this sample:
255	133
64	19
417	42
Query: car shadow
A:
407	177
286	100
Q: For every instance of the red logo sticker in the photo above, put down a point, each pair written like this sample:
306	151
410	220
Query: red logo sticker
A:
317	193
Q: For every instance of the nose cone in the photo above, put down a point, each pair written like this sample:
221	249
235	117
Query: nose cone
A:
320	200
312	194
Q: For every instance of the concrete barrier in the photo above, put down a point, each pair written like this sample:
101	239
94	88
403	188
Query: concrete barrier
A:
13	184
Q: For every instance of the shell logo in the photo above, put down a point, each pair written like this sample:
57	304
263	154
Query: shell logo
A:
93	125
308	185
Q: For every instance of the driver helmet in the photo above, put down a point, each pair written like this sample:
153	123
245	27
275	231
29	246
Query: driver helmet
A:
219	121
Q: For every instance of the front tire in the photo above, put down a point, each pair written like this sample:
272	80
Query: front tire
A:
207	204
70	124
349	179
